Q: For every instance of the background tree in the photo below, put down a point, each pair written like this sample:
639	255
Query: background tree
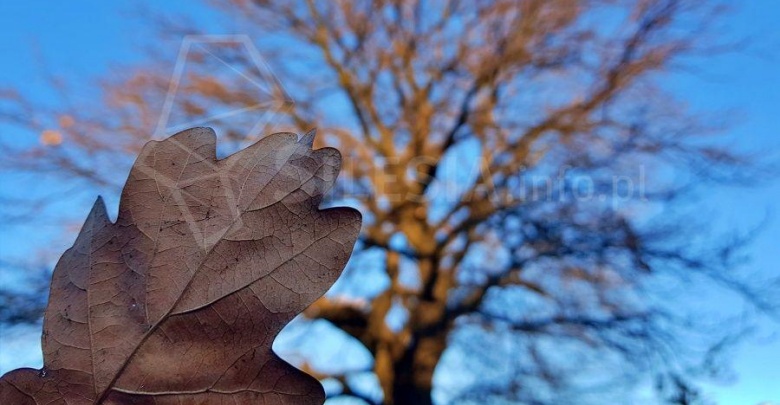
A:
508	157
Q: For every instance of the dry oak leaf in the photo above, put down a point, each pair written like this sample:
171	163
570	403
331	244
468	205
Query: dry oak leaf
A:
179	300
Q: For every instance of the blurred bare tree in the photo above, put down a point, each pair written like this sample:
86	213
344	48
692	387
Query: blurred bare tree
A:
510	159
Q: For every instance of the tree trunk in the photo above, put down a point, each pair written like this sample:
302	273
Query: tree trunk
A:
410	394
413	383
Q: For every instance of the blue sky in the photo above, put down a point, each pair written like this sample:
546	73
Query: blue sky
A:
79	42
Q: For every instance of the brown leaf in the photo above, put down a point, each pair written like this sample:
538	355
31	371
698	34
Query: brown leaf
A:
179	301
